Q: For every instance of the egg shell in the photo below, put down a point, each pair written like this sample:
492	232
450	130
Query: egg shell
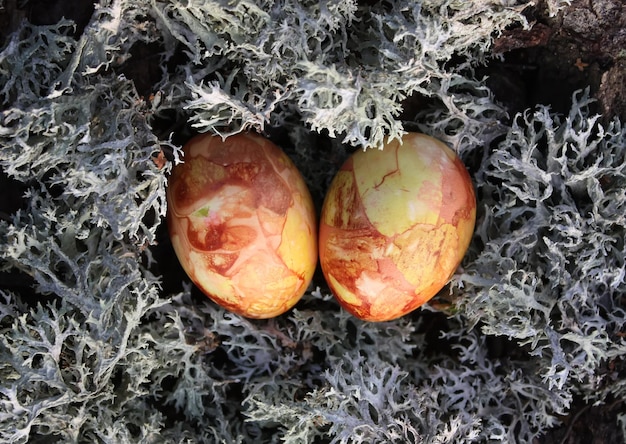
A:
242	223
395	225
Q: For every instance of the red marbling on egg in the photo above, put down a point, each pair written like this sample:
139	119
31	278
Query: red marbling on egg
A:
242	223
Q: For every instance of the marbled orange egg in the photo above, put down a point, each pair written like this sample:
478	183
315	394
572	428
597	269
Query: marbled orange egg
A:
242	223
395	225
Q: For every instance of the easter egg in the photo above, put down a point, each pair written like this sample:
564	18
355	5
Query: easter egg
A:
395	225
242	223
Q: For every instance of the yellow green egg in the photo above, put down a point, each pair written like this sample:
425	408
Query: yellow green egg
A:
395	226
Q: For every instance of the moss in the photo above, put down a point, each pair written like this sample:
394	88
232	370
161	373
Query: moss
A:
104	341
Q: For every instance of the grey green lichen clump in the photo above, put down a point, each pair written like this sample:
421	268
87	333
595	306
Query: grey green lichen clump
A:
94	350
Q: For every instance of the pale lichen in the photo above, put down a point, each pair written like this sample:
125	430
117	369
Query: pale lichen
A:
99	343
